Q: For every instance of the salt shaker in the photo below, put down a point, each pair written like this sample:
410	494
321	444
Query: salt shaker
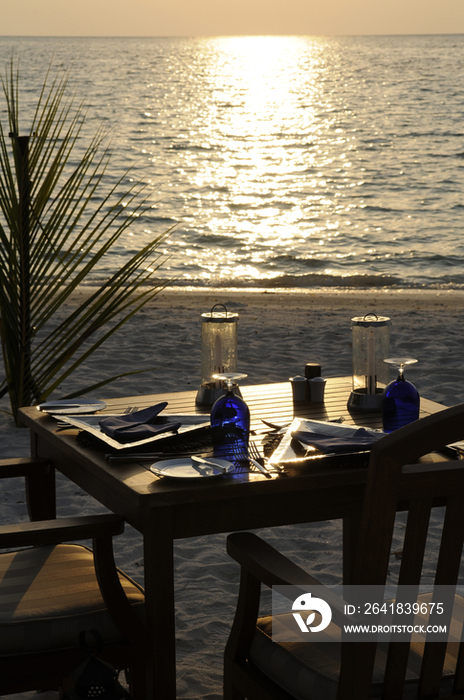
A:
312	369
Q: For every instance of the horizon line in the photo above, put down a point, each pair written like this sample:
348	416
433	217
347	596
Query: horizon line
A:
216	36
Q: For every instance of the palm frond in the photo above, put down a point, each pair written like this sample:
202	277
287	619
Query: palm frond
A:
58	218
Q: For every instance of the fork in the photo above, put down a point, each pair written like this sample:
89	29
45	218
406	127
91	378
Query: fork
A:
257	456
63	425
245	457
129	409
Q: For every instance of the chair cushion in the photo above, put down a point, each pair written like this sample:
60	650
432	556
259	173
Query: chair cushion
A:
309	670
48	595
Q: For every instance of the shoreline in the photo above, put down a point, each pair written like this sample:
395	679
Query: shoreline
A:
323	295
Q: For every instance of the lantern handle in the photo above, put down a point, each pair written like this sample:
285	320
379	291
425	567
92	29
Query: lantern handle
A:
223	306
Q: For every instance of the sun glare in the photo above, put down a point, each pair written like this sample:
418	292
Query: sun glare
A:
258	115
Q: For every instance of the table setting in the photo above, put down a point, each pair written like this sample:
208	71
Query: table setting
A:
138	429
195	446
180	443
305	441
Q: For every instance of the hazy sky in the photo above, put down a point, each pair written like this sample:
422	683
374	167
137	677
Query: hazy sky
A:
229	17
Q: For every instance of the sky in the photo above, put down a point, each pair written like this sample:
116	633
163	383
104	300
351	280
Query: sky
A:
229	17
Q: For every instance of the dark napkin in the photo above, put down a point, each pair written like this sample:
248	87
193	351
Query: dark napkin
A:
138	425
358	441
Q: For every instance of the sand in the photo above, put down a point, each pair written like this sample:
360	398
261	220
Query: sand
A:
278	332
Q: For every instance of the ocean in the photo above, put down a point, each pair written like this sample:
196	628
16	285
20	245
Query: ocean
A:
283	162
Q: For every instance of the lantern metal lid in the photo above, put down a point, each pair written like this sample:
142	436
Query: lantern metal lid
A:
218	352
371	345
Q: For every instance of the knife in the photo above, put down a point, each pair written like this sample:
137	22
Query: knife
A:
209	463
259	466
275	426
60	406
142	456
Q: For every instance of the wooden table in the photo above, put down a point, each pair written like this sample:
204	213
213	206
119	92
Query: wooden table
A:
163	510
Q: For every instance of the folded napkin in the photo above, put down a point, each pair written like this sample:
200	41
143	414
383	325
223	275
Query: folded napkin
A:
138	425
357	441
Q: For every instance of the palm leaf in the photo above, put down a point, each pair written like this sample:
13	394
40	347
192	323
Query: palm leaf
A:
59	218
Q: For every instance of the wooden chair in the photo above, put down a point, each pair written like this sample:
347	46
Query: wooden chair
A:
256	667
50	592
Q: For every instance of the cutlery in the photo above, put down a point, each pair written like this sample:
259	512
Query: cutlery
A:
246	458
259	466
278	426
256	455
140	456
209	463
62	424
275	426
60	406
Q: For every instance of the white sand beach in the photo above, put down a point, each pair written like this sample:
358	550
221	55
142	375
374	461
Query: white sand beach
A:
278	333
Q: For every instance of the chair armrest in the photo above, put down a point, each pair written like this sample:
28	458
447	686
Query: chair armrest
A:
23	466
262	564
265	563
45	532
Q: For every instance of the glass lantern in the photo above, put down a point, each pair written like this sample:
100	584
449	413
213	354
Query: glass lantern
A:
371	345
218	352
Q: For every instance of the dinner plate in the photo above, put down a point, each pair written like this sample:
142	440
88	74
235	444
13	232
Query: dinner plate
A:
185	468
71	406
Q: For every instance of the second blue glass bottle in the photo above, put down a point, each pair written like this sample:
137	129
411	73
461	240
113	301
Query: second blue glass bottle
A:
400	400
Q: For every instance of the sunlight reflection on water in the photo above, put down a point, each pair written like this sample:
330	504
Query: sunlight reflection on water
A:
291	160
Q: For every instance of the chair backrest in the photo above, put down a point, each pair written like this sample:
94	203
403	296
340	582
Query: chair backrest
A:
396	481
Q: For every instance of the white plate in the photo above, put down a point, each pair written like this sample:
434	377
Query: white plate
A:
185	468
71	406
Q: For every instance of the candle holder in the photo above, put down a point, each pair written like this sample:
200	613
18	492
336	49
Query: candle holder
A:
371	345
218	353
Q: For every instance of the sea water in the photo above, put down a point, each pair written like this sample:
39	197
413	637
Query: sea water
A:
284	162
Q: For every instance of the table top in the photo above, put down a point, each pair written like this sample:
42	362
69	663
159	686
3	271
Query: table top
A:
270	401
129	488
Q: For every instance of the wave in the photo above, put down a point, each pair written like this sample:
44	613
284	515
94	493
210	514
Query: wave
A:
293	282
305	282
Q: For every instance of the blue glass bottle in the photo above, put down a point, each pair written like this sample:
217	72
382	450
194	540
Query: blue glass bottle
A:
400	400
230	421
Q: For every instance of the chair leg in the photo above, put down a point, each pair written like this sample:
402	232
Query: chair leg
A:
230	692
